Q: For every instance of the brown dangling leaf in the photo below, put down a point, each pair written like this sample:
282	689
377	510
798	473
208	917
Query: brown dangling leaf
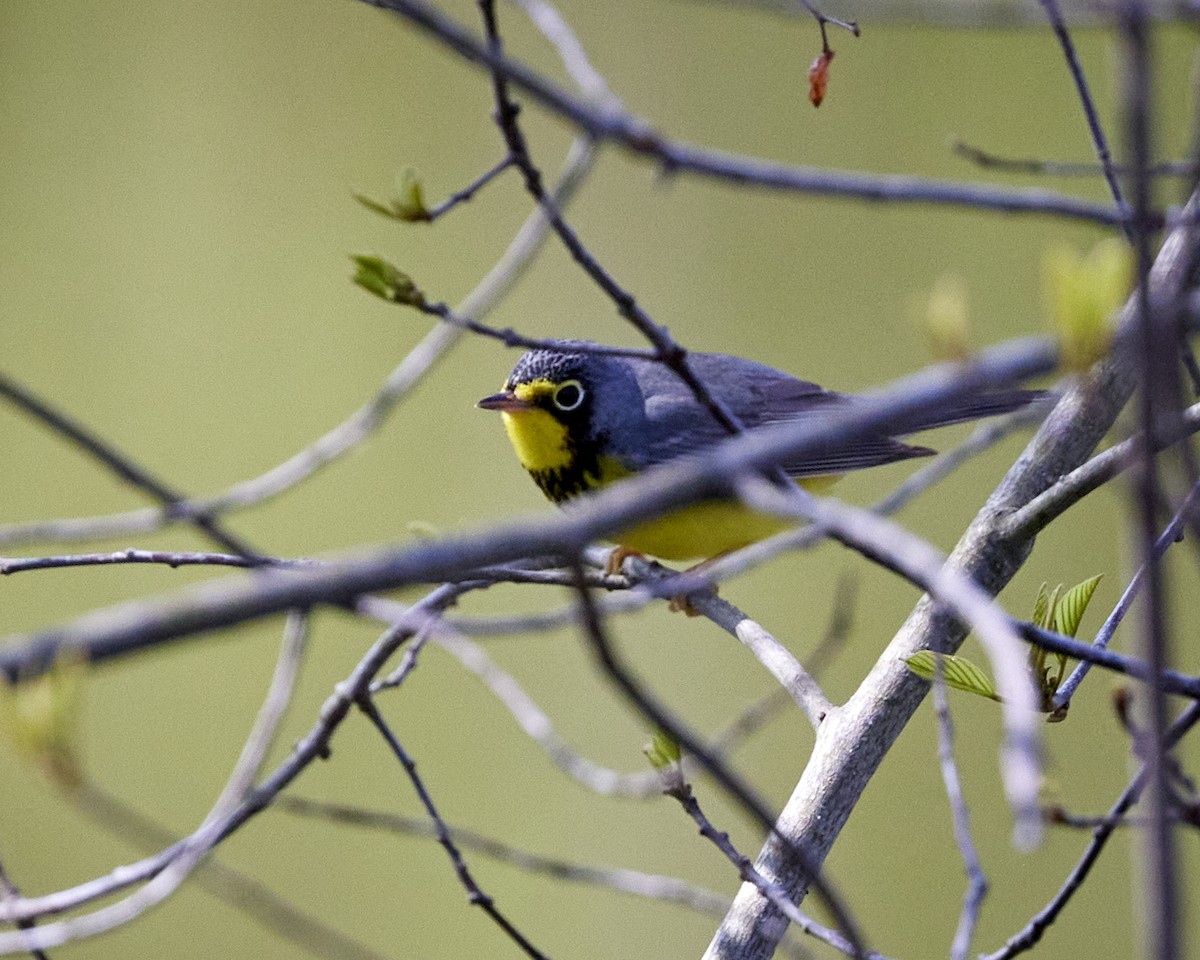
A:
818	77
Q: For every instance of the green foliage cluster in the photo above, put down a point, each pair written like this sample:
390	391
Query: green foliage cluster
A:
1055	610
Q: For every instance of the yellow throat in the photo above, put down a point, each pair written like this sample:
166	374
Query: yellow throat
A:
541	442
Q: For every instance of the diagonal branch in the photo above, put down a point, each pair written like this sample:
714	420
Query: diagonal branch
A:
729	779
190	851
1095	128
173	502
1032	933
312	746
853	741
475	895
638	137
339	440
224	602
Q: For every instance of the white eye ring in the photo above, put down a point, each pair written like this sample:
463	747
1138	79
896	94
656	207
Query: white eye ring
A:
569	402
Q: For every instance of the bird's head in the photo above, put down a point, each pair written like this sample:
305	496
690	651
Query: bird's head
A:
565	410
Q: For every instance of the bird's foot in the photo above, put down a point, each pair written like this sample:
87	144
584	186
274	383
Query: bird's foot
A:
683	604
615	559
680	603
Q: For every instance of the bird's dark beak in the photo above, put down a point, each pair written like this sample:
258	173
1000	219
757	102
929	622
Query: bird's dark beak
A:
506	401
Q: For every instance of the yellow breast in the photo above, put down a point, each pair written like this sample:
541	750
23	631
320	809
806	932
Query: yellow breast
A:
544	447
700	531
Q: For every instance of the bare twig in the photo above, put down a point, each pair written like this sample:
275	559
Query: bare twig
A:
9	891
180	558
743	793
1037	926
1172	534
968	14
466	193
977	884
1157	340
343	438
475	895
850	26
1062	168
190	851
1099	140
633	882
782	664
772	891
636	136
756	715
1171	681
514	338
1060	817
786	669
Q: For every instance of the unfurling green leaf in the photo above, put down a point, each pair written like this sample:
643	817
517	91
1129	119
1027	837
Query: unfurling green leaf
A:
1043	616
1081	294
667	759
1041	608
663	751
1074	602
408	204
1060	612
42	718
959	672
945	318
1052	606
386	281
375	206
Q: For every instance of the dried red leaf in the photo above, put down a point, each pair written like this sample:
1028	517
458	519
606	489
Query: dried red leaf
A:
818	77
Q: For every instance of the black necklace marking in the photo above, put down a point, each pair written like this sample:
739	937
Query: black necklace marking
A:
580	475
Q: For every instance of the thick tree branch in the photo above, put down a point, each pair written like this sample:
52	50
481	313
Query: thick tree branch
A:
854	739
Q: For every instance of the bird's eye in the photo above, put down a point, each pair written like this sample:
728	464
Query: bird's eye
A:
569	395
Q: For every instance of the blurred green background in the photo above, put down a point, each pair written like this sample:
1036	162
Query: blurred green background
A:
175	189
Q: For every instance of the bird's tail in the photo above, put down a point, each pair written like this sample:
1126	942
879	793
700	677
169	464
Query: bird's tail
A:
981	405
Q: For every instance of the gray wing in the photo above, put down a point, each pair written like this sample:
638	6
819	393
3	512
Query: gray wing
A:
758	395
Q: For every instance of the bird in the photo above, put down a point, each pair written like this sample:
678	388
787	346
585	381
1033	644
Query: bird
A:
580	420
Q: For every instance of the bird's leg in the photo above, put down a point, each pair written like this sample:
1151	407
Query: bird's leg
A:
680	603
618	557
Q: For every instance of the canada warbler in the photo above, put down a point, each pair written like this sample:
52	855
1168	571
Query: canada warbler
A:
581	420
